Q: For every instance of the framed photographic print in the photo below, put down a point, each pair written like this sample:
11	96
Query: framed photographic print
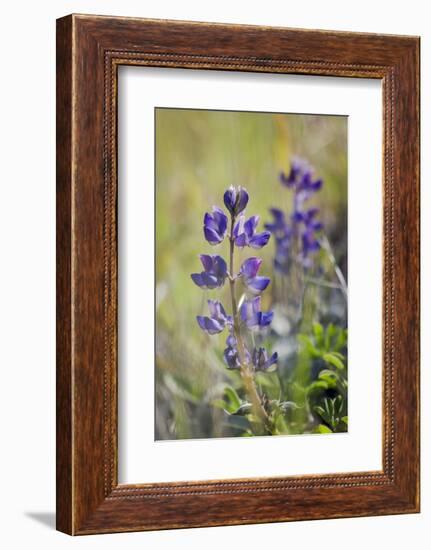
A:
237	274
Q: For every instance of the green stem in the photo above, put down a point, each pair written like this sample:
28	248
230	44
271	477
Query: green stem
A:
245	370
327	247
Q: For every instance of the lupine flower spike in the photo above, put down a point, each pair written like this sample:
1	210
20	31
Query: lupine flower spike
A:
249	317
302	222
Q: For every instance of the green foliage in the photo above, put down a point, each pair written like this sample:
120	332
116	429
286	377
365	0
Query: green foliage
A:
331	411
322	429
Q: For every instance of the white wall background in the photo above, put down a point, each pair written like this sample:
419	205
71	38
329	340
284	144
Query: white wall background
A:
27	280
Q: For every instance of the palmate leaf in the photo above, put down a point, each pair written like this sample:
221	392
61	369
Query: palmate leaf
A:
331	411
325	344
333	360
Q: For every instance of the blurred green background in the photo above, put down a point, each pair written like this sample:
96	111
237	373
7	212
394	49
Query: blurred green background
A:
199	154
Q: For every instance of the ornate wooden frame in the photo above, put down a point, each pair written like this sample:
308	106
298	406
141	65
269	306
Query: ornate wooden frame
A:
89	51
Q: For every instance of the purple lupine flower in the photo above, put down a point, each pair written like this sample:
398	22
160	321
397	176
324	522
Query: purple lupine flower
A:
235	200
279	227
261	361
252	281
231	355
231	358
218	319
245	234
309	245
297	167
283	233
300	177
302	222
215	272
308	218
253	317
215	226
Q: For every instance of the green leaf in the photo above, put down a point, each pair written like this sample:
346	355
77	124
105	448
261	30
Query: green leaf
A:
330	377
331	331
341	340
219	403
233	402
318	334
320	410
322	429
333	360
243	410
317	385
307	345
345	419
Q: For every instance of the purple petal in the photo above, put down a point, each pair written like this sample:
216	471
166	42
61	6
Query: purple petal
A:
312	213
257	284
197	279
272	227
278	215
210	222
250	226
255	304
210	281
316	185
271	361
241	240
211	326
242	200
260	240
217	311
207	261
274	358
229	199
244	311
212	236
231	358
288	181
267	366
259	357
220	219
231	341
250	308
317	226
266	318
238	227
220	266
250	267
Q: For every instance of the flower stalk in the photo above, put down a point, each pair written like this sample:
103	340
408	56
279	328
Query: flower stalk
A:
245	371
248	317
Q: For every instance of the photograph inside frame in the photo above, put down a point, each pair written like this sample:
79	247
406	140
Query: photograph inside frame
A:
251	274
